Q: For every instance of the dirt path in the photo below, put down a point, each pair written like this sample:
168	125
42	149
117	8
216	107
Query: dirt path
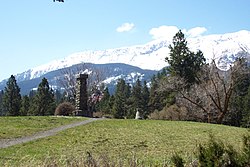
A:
4	143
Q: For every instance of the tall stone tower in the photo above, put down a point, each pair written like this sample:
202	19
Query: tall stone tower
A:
82	96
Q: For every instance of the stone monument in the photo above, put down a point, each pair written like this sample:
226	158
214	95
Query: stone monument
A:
82	96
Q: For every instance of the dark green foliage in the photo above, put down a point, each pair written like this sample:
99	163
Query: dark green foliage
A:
137	98
12	97
245	101
126	100
25	106
1	103
159	98
43	102
246	150
145	100
240	108
119	107
104	105
184	63
121	96
215	153
65	109
177	160
156	98
211	154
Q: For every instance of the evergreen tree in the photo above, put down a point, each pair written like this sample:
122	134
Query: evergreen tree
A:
246	110
25	105
1	103
157	98
137	98
145	100
119	110
239	107
43	102
12	97
104	105
153	95
111	103
184	63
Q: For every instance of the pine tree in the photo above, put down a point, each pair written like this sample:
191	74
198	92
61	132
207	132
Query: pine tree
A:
246	110
43	102
119	110
25	105
240	105
145	100
157	99
12	97
1	103
103	105
184	63
137	98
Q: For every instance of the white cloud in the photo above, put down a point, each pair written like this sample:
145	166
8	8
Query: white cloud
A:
168	32
195	32
125	27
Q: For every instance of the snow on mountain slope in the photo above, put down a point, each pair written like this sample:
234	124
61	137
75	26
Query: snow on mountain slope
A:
224	48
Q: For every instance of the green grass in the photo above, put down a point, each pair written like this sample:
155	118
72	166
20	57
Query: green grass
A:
147	140
14	127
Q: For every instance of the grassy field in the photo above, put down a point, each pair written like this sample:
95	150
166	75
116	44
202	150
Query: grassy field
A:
146	141
14	127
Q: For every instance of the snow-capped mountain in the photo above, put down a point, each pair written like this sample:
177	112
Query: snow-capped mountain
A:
106	73
224	48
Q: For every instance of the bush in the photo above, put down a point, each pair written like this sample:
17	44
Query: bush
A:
215	153
172	112
212	153
65	109
246	150
177	160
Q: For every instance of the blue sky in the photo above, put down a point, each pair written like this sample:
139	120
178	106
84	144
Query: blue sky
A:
35	32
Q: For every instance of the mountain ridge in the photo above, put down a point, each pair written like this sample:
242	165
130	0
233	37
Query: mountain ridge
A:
151	55
223	48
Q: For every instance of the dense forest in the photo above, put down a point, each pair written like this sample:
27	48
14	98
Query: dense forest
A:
188	89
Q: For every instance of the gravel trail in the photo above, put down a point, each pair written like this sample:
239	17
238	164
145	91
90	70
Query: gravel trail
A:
4	143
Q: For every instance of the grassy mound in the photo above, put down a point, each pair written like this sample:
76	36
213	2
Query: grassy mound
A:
119	141
14	127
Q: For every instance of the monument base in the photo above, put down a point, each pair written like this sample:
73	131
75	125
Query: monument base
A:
82	113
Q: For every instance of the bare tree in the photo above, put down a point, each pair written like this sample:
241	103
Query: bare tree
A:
67	80
213	93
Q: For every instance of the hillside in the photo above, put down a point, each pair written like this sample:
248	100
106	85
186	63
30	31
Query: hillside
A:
109	73
120	140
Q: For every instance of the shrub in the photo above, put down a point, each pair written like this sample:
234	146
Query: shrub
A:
216	154
246	150
172	112
177	160
65	109
212	153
